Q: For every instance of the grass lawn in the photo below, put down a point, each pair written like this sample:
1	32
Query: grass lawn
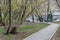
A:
24	31
58	32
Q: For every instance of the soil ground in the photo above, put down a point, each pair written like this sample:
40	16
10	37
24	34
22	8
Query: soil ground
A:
23	30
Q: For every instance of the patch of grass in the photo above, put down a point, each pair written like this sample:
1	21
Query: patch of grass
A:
24	31
32	28
58	32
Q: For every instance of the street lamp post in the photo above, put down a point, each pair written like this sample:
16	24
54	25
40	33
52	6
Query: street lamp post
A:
32	11
47	10
49	13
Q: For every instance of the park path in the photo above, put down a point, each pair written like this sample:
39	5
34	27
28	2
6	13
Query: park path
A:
44	34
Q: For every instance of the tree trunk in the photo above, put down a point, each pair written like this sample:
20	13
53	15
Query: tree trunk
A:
58	3
9	17
0	16
32	18
1	22
23	14
24	9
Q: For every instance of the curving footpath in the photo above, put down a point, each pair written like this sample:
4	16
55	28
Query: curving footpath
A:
44	34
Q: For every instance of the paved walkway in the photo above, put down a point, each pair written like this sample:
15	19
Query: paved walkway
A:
44	34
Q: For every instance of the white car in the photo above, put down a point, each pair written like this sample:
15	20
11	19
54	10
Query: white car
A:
58	20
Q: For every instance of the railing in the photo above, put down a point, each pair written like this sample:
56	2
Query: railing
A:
53	37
